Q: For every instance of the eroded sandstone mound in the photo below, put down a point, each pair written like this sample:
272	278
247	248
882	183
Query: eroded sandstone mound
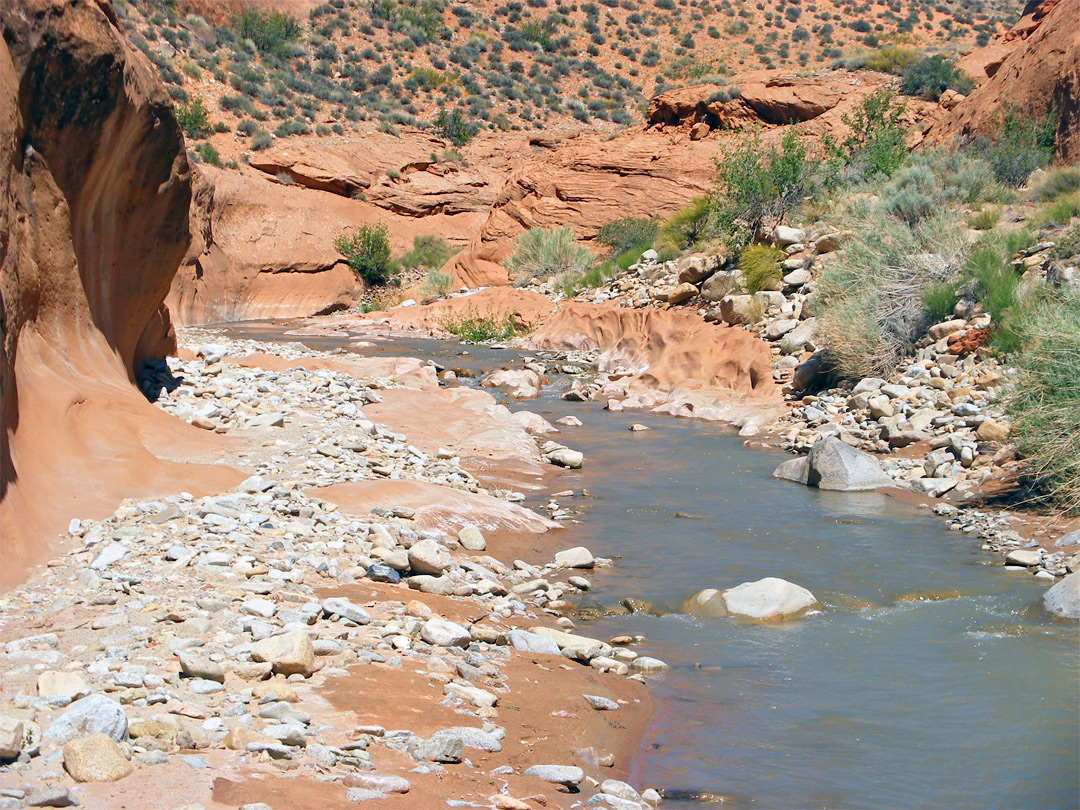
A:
94	193
670	360
1034	67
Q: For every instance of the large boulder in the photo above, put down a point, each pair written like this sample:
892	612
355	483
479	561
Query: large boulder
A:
288	654
96	758
95	714
836	466
763	600
1064	598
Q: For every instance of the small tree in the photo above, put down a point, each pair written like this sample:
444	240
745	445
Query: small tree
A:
367	251
876	145
757	186
1019	146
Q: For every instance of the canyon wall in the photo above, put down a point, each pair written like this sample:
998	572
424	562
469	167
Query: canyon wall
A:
1036	68
94	195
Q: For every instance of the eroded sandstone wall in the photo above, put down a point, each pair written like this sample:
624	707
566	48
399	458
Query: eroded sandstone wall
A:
94	194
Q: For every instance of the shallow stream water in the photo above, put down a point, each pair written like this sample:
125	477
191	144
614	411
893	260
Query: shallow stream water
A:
930	678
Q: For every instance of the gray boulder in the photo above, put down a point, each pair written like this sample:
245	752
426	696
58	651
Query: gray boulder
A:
836	466
94	714
1064	598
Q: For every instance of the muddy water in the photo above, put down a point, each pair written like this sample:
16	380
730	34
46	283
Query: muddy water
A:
930	678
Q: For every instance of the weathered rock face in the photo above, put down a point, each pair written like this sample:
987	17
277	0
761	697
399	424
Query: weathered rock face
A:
264	249
764	97
584	183
424	186
250	257
94	193
1034	67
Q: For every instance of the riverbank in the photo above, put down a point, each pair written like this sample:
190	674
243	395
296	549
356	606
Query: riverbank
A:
262	644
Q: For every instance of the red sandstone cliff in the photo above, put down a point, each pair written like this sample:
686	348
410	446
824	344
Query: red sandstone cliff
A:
94	193
1035	66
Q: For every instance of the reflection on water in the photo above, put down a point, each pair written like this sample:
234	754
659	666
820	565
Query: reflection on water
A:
929	679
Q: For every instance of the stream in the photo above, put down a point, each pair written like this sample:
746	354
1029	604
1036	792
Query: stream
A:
929	678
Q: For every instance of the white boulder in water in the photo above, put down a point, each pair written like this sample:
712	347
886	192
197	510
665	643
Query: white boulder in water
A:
769	598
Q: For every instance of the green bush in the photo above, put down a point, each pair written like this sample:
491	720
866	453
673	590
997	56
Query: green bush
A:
271	32
472	326
193	117
1019	146
759	266
876	144
938	300
984	220
261	139
455	127
542	253
1044	403
208	154
1062	210
1052	183
758	185
686	228
367	251
988	267
623	234
930	77
428	252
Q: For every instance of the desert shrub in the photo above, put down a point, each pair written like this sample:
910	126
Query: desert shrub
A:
623	234
1019	146
754	311
542	253
876	144
994	282
686	228
759	266
1044	403
912	194
455	127
473	326
757	185
261	139
938	299
208	154
1062	210
428	252
870	300
271	32
984	220
930	77
437	284
367	251
1048	184
891	59
193	117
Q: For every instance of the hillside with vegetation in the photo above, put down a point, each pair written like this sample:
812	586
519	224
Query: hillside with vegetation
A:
271	70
